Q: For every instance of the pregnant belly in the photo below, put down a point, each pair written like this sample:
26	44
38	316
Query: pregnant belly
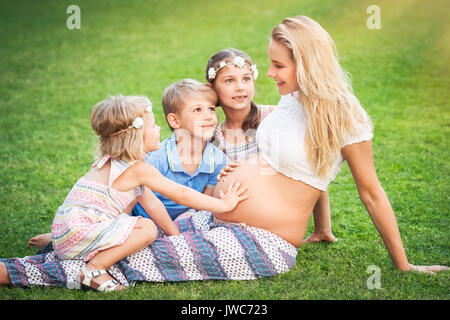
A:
276	203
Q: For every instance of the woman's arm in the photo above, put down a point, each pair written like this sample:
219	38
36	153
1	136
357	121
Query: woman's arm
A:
158	213
360	161
142	173
322	221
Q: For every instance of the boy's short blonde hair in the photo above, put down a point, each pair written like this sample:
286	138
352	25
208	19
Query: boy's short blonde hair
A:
111	119
175	94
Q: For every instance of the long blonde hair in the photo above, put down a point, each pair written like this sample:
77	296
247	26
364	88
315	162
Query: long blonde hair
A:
325	90
111	119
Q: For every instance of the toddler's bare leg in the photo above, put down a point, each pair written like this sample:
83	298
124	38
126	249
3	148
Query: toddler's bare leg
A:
4	278
40	241
142	235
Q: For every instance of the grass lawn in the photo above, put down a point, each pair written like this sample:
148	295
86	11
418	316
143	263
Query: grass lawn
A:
51	77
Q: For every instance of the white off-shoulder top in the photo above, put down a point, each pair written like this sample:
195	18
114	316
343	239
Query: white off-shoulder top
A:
281	143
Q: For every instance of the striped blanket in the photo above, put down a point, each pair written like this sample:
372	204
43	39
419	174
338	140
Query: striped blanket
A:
206	249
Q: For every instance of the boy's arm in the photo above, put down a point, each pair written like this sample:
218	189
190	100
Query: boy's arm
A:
158	213
209	191
131	206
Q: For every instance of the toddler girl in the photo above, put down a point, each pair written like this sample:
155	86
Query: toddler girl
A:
93	223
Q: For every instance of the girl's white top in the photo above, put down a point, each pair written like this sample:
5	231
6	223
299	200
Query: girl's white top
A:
281	142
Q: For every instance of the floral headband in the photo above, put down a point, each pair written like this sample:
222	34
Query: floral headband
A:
238	62
137	123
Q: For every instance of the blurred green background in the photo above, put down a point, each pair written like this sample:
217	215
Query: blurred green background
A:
50	77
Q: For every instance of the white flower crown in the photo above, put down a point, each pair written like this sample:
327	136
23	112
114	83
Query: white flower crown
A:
238	62
137	123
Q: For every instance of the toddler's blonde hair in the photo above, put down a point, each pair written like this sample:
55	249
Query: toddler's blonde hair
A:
111	118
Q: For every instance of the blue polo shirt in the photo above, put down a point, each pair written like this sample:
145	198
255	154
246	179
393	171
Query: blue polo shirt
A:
167	161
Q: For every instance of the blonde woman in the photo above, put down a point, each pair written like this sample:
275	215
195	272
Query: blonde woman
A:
232	75
317	125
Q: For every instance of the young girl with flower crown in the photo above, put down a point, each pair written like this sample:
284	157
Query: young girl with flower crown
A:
94	223
232	74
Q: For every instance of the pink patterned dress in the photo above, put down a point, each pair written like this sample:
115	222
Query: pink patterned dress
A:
242	150
91	219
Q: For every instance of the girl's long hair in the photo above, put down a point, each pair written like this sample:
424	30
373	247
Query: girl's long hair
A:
252	120
324	90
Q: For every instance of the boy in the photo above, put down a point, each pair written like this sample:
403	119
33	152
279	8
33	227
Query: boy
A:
187	157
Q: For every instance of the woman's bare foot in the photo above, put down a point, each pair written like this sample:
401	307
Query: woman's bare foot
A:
40	241
317	237
4	278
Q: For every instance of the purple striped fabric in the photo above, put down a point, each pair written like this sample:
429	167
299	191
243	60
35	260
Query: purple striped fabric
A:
207	249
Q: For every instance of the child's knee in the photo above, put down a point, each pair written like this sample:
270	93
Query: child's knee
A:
149	229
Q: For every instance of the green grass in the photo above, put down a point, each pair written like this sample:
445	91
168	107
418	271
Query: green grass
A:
51	77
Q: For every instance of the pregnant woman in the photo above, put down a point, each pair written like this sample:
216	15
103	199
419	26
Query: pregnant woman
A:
317	125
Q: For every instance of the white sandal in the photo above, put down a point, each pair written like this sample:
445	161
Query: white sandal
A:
107	286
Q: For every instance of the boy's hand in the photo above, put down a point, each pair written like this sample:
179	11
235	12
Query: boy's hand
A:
234	195
228	168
